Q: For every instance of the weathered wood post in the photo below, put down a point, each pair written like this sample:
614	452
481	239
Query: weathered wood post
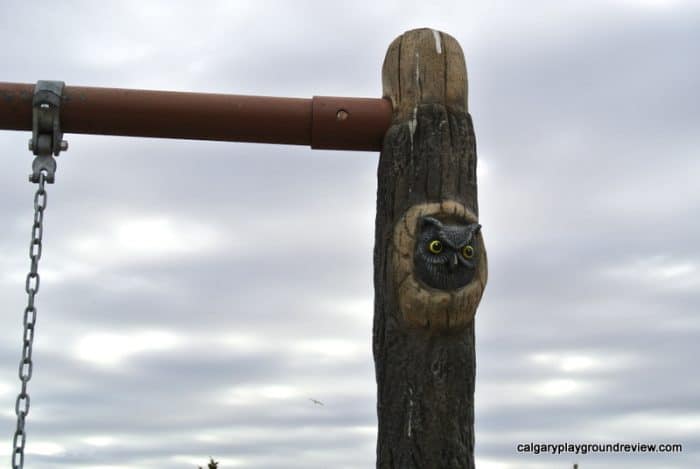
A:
429	259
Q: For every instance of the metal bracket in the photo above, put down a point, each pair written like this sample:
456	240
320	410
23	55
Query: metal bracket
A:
47	137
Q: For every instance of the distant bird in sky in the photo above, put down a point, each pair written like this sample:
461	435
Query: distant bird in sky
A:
316	401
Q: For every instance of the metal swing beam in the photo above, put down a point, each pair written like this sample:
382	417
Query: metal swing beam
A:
321	122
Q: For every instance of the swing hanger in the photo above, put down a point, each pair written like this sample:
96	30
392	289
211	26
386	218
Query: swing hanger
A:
47	136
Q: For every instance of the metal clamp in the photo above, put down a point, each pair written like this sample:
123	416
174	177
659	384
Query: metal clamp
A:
47	137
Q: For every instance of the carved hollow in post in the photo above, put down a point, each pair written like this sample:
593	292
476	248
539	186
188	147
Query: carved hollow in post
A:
420	304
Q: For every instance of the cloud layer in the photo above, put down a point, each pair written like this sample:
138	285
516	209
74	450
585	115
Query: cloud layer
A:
197	297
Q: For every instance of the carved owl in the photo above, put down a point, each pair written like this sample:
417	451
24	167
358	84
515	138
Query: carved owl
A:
445	253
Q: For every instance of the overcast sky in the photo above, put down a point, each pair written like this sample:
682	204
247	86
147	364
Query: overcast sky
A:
195	296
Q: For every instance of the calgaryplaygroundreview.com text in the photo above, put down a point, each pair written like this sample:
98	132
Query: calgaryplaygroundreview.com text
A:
585	448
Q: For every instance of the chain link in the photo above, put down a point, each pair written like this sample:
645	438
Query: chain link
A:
31	286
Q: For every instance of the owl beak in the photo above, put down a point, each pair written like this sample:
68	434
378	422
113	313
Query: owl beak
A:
453	262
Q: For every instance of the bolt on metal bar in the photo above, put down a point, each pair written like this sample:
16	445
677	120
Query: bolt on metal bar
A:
321	122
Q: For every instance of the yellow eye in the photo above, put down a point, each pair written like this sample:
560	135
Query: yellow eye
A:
435	246
468	251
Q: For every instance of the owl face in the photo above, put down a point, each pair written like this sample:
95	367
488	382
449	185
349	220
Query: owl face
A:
445	256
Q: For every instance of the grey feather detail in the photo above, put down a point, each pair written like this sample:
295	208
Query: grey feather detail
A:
439	270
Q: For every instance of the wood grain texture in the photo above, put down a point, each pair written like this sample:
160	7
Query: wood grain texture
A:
423	338
424	66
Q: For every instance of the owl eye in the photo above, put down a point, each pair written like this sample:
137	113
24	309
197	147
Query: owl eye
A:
435	246
468	251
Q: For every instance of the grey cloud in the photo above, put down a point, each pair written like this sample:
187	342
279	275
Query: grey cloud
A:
585	122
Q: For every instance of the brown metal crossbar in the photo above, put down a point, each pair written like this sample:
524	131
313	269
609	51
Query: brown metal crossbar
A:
322	122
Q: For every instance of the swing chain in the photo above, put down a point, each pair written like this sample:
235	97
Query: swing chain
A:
32	288
47	139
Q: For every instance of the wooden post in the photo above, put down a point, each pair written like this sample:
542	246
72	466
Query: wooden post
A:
426	294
